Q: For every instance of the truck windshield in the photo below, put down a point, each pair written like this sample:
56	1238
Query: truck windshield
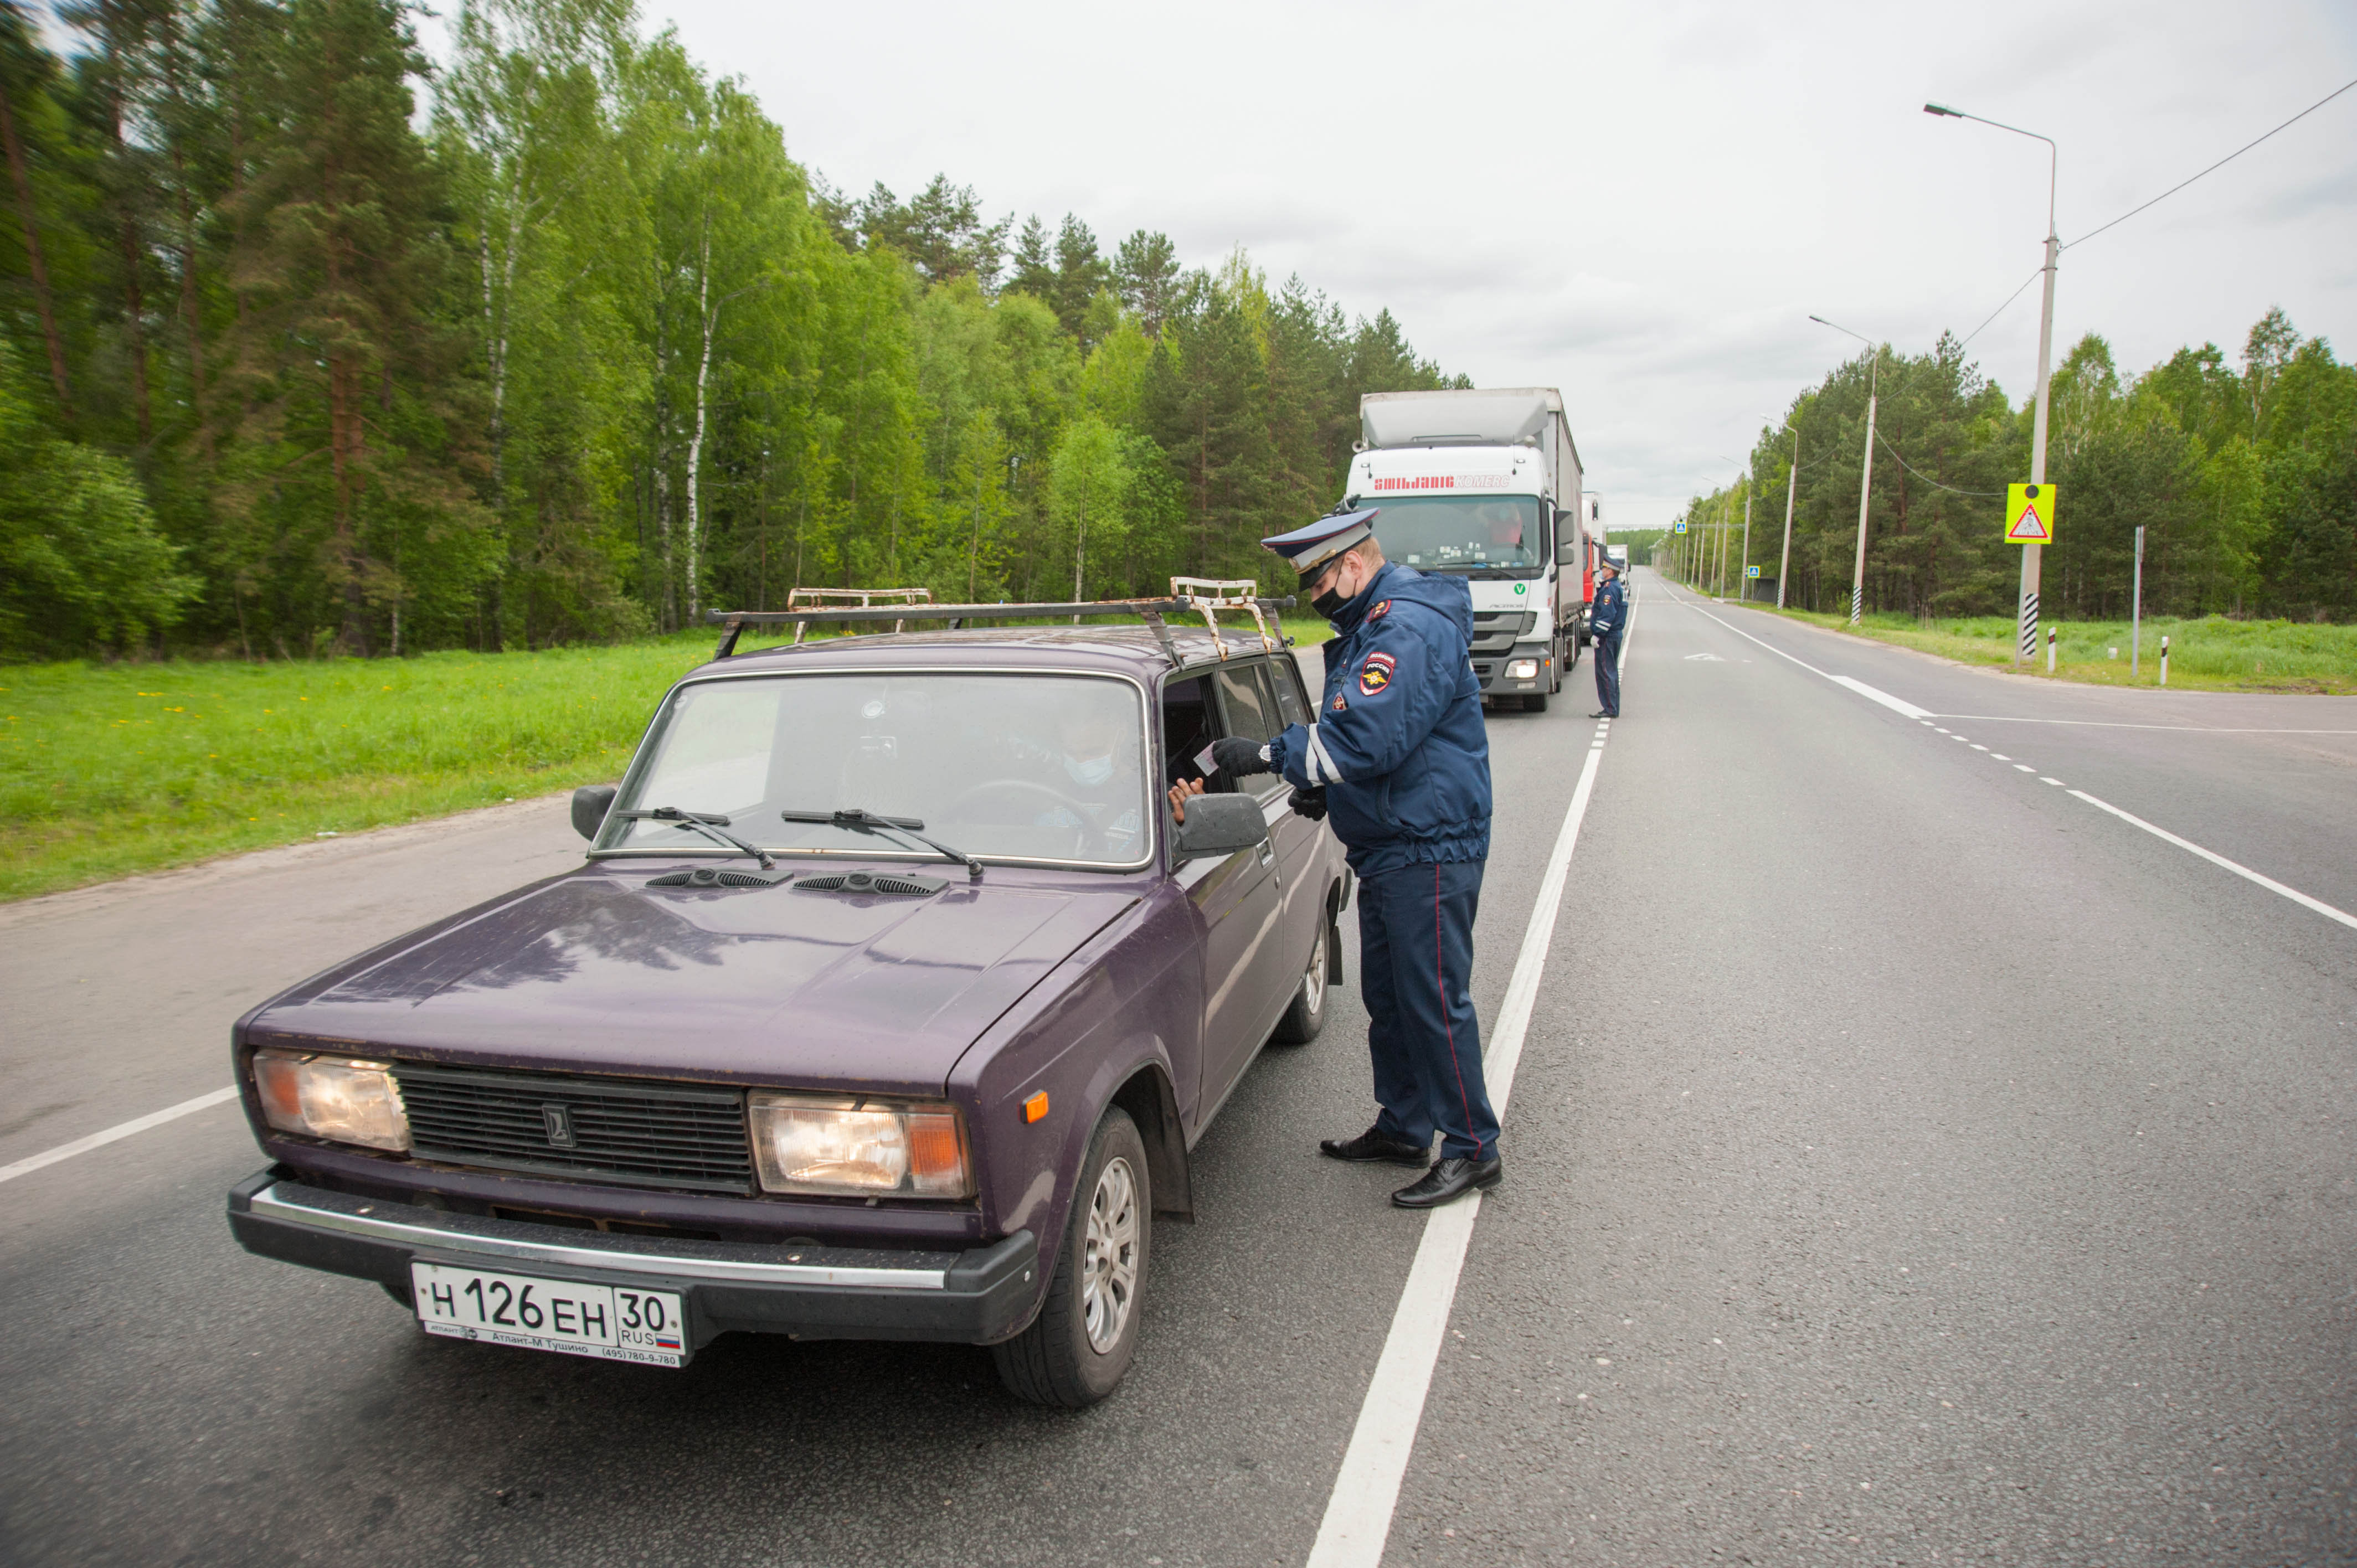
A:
1443	534
1030	768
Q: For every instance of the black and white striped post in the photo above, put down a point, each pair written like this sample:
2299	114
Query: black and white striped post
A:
2164	658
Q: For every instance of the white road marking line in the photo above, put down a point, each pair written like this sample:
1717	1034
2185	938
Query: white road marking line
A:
1359	1512
2023	767
2044	780
1896	704
1999	757
2269	883
1978	746
32	1162
2110	724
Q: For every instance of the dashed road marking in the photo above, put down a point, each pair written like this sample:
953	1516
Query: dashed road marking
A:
1926	716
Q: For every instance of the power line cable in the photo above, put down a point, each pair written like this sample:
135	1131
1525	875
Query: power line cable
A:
1887	446
2213	168
2000	309
2164	196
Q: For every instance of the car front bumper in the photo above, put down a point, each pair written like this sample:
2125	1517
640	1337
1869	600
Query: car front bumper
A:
976	1297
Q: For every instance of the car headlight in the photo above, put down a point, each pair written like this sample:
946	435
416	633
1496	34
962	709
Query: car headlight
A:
1521	669
834	1144
339	1099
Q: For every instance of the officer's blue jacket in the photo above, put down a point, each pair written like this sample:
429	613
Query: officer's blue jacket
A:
1399	745
1609	616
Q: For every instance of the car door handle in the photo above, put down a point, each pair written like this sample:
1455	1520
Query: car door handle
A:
1268	851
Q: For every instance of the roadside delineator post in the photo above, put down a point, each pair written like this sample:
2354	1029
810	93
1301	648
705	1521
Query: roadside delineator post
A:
2164	658
2049	650
2136	613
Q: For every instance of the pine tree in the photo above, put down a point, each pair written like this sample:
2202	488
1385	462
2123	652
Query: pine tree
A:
341	361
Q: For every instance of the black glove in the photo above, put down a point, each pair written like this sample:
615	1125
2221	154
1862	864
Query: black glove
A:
1310	803
1237	758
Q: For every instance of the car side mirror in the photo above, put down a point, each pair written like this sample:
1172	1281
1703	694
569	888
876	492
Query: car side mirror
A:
1218	824
590	804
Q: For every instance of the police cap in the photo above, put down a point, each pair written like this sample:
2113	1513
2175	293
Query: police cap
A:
1312	549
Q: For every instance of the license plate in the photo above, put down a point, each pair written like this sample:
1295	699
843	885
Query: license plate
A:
614	1322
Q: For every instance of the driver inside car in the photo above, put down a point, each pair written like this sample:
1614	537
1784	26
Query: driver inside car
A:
1096	771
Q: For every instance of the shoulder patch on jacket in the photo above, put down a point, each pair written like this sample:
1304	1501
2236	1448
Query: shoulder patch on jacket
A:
1341	705
1382	607
1376	672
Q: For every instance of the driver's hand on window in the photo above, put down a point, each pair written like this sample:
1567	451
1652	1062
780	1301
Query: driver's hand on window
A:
1180	793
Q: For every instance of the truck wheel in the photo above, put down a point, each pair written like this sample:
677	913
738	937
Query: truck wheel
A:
1308	1014
1078	1348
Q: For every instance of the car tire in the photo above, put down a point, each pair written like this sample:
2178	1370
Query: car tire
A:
1306	1014
1071	1356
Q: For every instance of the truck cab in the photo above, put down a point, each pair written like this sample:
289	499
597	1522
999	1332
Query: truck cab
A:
1485	485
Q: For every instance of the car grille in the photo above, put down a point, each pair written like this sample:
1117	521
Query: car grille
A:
611	1129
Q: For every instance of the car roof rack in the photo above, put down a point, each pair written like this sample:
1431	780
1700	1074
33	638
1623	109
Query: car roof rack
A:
1188	596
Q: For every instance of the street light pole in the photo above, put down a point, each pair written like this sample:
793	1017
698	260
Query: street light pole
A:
1791	483
1865	472
2026	647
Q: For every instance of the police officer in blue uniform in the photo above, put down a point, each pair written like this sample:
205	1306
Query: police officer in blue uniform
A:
1607	622
1399	761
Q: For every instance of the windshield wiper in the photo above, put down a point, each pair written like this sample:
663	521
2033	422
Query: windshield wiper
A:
861	821
707	823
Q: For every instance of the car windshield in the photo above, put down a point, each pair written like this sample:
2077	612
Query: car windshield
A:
1440	533
1032	767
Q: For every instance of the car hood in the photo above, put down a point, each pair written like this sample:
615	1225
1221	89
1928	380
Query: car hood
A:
596	971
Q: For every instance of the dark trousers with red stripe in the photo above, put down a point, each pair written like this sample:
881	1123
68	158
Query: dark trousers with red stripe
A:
1416	965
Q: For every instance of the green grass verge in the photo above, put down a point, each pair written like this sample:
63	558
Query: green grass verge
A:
106	770
111	770
2213	654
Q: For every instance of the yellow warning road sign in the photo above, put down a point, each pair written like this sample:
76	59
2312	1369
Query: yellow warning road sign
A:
2030	514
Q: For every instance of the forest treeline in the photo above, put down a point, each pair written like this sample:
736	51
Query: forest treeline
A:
2243	478
577	353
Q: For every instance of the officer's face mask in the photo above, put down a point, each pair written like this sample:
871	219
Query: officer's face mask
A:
1329	601
1091	770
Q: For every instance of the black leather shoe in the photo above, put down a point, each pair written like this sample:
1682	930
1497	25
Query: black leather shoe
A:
1373	1146
1449	1180
1600	714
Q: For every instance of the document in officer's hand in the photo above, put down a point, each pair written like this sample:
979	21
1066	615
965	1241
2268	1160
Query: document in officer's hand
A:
1205	763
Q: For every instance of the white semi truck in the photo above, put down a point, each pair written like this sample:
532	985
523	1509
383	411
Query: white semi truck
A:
1486	486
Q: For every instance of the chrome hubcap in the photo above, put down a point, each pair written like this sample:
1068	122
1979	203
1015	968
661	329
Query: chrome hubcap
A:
1109	1260
1313	984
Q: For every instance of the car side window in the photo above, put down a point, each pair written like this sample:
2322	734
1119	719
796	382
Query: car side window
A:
1285	678
1244	702
1250	709
1189	725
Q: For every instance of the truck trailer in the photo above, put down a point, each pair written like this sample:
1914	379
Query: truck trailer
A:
1486	486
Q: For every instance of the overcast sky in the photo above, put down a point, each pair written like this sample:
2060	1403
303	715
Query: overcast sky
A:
1641	204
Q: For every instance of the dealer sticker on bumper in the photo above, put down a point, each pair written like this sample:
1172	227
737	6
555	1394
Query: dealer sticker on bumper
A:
614	1322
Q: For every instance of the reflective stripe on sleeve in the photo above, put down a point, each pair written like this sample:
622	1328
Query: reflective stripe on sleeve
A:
1319	763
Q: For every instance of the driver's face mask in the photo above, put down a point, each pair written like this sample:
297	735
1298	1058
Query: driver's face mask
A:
1090	770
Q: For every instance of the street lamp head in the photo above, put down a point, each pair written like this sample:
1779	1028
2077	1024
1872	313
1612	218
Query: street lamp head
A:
1944	109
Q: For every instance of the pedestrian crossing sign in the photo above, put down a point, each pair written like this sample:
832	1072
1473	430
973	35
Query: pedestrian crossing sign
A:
1678	528
1751	571
2030	514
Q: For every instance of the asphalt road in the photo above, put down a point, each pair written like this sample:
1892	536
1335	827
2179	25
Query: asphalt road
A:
1909	1162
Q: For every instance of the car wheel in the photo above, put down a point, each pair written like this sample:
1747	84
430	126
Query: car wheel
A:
1078	1348
1306	1016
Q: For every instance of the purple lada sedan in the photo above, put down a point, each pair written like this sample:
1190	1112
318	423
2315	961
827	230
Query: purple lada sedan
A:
887	1003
